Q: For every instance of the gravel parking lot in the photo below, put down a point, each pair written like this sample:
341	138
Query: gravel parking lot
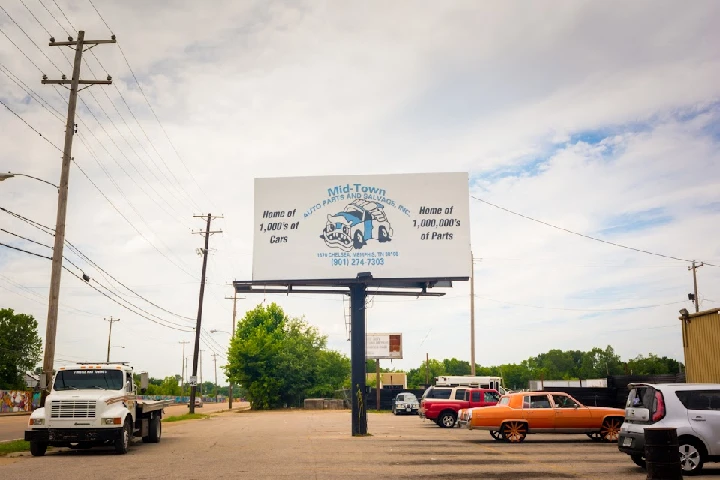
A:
317	444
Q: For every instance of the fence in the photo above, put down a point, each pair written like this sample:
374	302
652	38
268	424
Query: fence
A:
617	391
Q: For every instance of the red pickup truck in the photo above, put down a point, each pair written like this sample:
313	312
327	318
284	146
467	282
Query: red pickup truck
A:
442	404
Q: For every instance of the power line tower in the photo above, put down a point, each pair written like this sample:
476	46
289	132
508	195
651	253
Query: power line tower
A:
207	232
694	295
56	269
111	320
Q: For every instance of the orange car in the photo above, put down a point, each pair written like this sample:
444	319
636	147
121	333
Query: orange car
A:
520	413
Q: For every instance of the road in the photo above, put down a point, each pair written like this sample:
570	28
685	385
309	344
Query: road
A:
13	427
317	444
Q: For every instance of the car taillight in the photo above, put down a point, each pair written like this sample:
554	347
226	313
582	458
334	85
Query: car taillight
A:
659	412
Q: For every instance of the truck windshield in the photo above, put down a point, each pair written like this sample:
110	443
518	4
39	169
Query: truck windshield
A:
84	379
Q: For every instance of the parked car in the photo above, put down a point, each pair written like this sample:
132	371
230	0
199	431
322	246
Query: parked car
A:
442	404
692	409
518	414
198	402
405	402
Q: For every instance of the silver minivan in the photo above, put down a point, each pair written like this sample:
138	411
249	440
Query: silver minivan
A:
692	409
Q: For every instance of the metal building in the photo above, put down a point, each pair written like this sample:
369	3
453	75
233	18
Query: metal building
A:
701	345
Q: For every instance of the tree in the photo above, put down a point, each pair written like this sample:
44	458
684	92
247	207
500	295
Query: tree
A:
454	366
20	348
281	360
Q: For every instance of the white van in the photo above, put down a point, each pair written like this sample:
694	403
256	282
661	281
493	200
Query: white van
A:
692	409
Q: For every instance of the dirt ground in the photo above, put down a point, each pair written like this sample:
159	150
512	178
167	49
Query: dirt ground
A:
317	444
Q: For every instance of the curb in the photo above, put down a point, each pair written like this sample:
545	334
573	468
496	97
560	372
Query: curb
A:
14	414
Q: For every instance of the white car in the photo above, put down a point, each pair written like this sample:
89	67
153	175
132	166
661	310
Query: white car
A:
692	409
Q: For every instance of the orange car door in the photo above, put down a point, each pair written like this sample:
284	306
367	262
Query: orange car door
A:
569	414
538	411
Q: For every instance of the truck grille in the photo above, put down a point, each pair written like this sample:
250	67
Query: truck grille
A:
73	409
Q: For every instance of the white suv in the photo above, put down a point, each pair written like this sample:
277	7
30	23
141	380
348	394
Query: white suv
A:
692	409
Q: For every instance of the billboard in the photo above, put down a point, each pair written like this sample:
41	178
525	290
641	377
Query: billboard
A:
383	345
405	226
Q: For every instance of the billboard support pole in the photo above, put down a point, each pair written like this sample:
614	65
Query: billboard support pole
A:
358	296
377	383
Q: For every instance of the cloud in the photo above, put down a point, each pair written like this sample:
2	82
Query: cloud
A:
598	119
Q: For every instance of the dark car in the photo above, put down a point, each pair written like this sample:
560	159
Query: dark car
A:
405	402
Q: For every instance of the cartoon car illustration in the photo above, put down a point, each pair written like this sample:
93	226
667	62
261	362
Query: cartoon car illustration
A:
358	222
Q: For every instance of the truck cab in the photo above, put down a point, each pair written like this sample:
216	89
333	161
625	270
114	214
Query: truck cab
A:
93	404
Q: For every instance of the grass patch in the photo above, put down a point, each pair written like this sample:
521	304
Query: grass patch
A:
187	416
14	446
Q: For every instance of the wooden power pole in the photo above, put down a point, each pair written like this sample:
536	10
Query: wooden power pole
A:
198	325
694	268
234	298
56	268
111	320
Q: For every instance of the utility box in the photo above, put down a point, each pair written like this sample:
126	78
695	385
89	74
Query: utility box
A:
701	345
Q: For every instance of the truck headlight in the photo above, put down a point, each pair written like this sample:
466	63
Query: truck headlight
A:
112	421
37	421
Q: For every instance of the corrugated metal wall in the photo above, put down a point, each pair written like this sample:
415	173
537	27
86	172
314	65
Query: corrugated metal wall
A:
701	343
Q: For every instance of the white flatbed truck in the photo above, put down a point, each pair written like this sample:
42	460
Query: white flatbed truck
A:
94	404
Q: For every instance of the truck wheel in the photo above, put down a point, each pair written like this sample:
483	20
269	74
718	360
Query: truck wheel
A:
123	442
38	449
447	420
383	235
155	429
496	435
358	240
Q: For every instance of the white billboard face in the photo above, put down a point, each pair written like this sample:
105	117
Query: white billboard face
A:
393	226
383	345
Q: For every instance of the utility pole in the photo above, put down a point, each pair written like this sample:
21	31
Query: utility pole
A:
216	384
427	370
198	325
201	378
56	268
184	362
111	320
234	298
694	268
472	315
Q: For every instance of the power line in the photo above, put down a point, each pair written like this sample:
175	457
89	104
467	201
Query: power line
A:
582	234
80	254
580	309
169	190
22	51
128	221
63	14
31	127
54	17
147	101
30	38
36	19
131	177
44	103
124	305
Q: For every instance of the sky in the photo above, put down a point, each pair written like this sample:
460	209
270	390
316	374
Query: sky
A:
598	117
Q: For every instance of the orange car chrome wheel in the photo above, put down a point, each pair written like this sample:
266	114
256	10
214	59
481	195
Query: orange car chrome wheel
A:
514	432
610	430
